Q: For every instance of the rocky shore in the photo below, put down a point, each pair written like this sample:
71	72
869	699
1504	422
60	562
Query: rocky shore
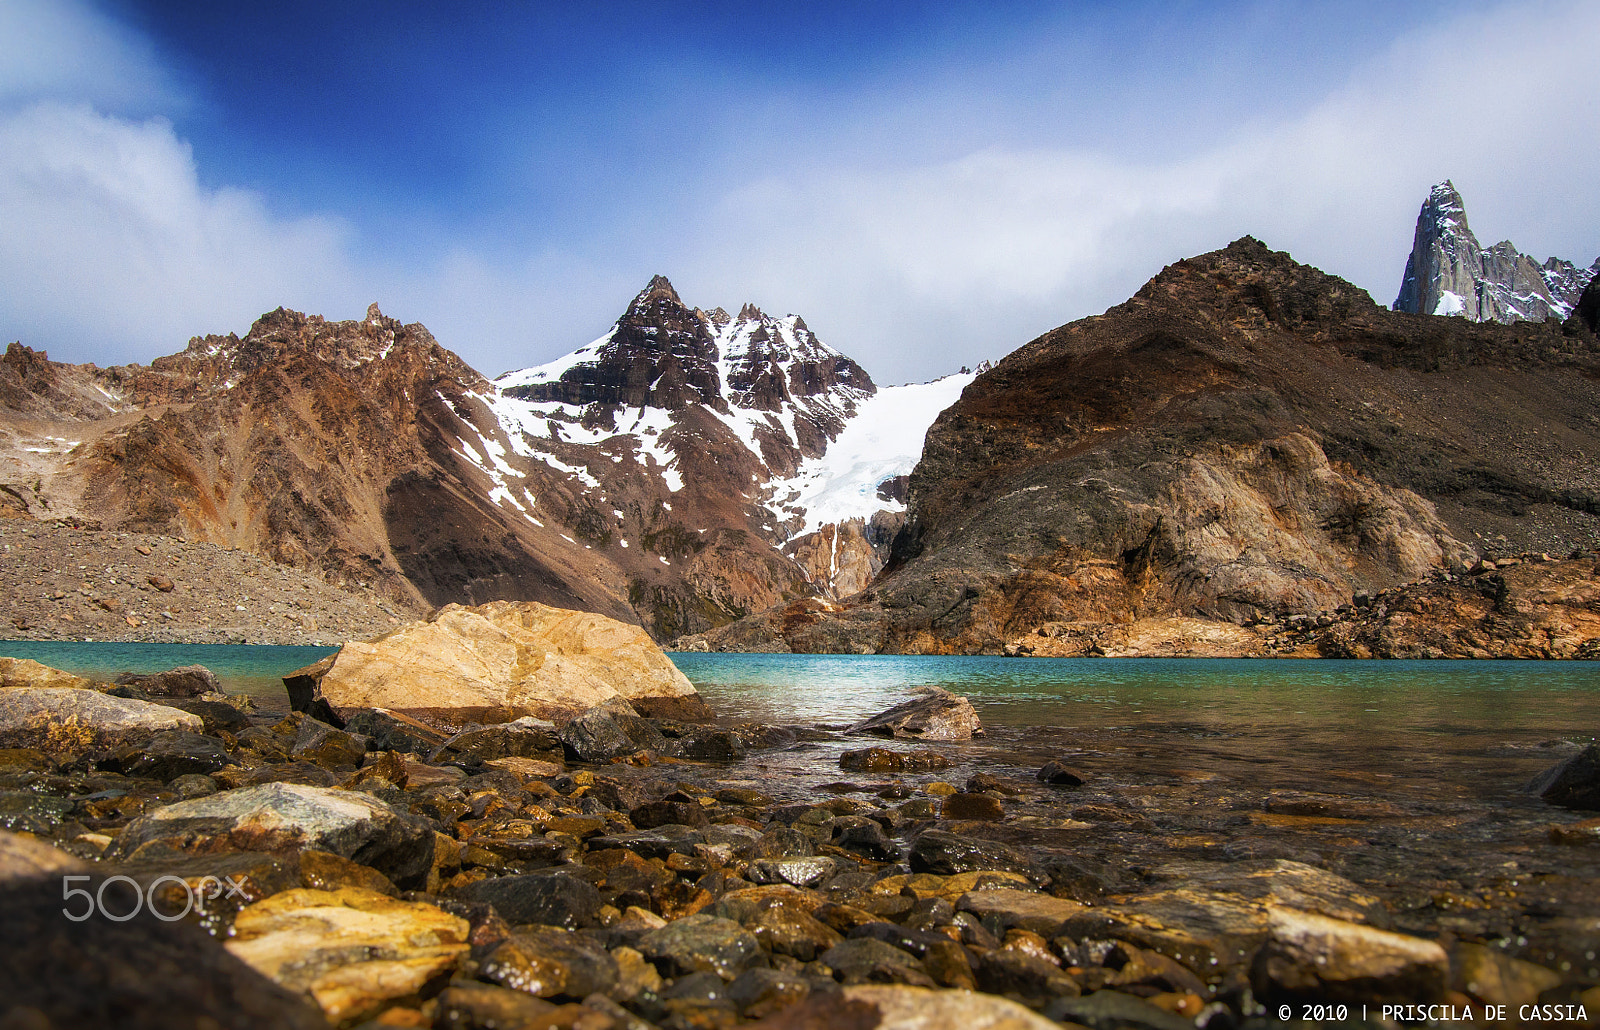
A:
914	870
1503	605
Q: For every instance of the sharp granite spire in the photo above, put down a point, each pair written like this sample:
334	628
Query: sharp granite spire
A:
1449	273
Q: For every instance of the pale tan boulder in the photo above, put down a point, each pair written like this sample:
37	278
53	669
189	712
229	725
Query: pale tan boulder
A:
498	662
60	719
24	672
351	950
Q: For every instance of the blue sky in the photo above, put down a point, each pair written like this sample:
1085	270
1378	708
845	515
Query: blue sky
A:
928	184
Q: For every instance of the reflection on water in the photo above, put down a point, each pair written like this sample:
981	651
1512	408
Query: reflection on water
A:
1356	696
1430	727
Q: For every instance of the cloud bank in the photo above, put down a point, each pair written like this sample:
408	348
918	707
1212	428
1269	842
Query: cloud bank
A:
114	248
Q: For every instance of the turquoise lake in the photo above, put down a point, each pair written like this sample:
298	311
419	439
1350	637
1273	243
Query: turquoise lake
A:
1349	698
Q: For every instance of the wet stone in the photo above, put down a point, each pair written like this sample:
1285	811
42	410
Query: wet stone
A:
761	992
193	785
280	816
215	716
1309	956
479	1006
170	754
1013	972
882	759
551	899
654	843
1007	909
710	744
668	813
551	964
595	736
32	813
1059	774
523	738
790	930
977	807
868	840
935	714
914	942
799	871
1574	783
384	732
864	960
945	853
185	681
701	943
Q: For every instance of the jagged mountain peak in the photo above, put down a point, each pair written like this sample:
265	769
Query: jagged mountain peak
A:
1449	273
658	290
750	313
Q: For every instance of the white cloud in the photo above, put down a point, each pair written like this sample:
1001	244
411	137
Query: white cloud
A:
65	49
112	251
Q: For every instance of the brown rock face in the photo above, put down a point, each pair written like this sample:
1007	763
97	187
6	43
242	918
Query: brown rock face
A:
633	483
1245	439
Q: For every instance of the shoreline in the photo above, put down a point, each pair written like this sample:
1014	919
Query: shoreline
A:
1164	867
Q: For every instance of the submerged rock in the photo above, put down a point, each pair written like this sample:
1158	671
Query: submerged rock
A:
935	715
1312	957
495	663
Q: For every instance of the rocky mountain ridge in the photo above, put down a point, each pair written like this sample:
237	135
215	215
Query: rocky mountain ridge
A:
1450	273
639	477
1245	440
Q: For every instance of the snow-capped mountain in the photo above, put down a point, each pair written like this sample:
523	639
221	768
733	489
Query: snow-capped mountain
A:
725	420
1449	273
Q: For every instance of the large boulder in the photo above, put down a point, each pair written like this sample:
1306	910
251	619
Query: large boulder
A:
935	714
495	663
62	719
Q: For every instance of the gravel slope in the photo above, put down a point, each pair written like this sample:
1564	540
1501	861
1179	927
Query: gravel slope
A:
64	583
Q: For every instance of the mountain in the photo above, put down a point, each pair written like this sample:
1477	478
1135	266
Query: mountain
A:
658	475
1246	441
758	450
1449	273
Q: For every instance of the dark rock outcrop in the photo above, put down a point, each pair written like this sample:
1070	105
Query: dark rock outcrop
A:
1245	441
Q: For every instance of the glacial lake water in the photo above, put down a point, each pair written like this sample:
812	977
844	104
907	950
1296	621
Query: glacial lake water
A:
1357	697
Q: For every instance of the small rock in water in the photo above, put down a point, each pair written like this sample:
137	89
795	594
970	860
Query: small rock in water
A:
934	715
1059	774
972	806
1574	783
184	681
882	759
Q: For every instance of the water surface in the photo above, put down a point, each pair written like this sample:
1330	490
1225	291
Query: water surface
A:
254	669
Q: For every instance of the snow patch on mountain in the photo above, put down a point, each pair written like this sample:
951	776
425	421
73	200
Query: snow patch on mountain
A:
882	441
